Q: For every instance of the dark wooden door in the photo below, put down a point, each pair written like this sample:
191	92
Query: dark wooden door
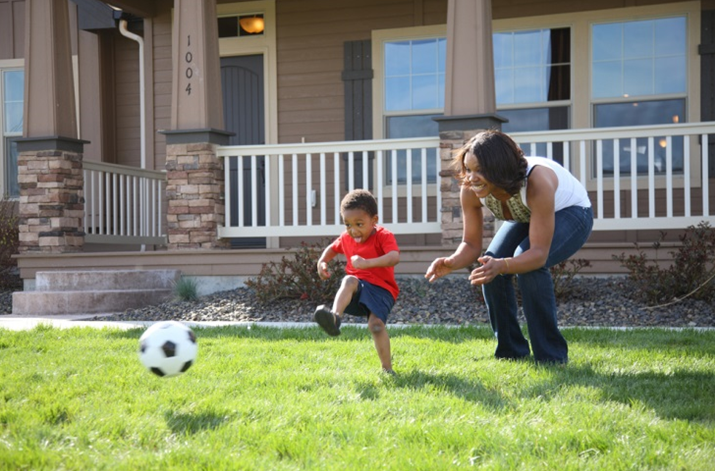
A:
243	109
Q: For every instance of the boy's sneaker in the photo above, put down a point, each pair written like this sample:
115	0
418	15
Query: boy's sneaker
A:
328	320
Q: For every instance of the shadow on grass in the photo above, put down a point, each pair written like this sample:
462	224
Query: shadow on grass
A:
182	423
681	395
472	391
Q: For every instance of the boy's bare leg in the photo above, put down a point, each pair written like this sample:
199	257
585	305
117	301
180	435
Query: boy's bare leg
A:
382	341
345	294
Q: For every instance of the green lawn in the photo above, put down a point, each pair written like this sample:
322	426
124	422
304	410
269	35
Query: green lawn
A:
266	398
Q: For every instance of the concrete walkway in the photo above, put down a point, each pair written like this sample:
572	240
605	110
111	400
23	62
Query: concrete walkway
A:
14	322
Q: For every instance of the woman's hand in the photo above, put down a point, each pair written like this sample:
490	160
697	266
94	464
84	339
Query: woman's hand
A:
439	268
489	269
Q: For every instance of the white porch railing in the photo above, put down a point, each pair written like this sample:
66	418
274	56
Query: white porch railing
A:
296	189
123	205
640	177
645	177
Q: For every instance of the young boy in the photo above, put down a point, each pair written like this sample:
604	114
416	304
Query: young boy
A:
369	287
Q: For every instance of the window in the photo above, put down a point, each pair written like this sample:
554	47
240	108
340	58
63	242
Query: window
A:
639	77
12	86
532	76
414	94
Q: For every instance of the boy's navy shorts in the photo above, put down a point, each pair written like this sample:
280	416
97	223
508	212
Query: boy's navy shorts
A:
371	299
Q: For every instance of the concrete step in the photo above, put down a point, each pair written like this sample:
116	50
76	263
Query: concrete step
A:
85	302
101	280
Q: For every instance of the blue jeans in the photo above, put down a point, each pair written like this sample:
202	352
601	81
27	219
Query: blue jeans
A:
572	227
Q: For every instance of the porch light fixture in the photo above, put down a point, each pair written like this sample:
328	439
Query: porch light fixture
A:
252	24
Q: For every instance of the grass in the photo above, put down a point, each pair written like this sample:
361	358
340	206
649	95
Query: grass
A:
264	398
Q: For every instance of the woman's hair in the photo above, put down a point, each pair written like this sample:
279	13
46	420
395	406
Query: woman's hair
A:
359	199
501	161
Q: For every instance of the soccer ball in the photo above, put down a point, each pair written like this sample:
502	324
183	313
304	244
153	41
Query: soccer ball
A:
168	348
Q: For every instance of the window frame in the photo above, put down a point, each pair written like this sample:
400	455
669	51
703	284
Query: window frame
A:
5	66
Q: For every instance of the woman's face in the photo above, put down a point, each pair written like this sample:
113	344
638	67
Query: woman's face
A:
474	177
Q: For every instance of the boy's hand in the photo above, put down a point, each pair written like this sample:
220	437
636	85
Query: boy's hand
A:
359	262
323	270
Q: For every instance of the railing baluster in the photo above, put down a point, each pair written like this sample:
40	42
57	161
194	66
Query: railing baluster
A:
308	189
240	189
651	178
351	171
336	185
616	179
323	190
254	191
228	190
394	186
686	175
669	176
267	179
294	175
365	173
408	184
634	178
705	169
423	190
379	182
281	191
599	177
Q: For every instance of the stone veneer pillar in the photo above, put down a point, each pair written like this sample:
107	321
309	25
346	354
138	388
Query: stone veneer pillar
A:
454	132
194	190
51	195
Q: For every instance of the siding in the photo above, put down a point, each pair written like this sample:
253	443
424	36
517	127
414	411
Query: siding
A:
12	29
162	83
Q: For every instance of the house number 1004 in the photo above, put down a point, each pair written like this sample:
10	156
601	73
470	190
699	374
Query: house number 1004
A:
188	57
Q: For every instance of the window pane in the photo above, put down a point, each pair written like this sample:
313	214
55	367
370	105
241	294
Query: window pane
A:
504	85
525	66
604	84
528	85
503	44
638	77
397	58
397	94
14	85
670	36
536	119
13	118
442	55
424	92
633	65
13	100
412	126
607	42
638	39
11	181
670	74
528	48
424	57
641	113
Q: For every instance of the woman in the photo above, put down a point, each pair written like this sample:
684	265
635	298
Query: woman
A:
548	218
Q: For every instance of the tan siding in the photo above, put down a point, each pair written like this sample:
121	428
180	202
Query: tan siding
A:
127	101
12	29
162	84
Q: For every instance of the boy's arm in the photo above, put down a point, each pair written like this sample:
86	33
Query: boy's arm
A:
390	259
327	255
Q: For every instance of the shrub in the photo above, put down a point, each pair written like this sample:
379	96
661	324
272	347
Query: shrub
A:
691	273
296	276
563	274
9	244
186	289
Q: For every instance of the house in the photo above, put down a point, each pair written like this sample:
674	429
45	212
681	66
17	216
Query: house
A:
211	135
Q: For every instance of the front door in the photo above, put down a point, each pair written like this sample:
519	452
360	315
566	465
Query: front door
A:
243	109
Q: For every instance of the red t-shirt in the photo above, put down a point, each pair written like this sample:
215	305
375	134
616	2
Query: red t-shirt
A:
379	243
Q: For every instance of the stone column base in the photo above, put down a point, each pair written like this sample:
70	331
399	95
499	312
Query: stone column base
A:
194	189
51	201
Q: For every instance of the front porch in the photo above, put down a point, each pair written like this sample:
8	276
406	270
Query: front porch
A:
641	179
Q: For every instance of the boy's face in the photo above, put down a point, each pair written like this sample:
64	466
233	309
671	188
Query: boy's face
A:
359	224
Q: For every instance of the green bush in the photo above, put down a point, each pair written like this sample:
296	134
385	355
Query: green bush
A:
186	289
296	276
9	244
691	274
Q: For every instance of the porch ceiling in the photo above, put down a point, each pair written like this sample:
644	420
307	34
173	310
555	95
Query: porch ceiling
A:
140	8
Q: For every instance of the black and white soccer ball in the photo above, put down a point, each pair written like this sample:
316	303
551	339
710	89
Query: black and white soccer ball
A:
168	348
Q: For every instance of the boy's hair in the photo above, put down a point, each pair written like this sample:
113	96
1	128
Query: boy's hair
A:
359	199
